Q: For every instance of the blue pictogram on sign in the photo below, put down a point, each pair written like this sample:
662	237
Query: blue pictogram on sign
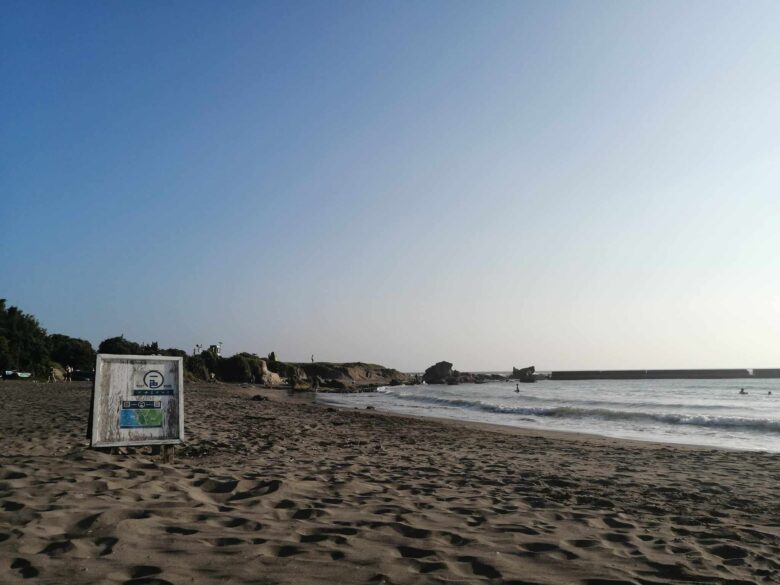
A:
153	379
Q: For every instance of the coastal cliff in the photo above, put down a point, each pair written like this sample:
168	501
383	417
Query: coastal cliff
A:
349	376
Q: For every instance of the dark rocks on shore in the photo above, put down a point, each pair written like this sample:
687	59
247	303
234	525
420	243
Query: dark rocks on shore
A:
523	374
442	373
439	373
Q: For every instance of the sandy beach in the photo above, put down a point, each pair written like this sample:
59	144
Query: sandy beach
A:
287	491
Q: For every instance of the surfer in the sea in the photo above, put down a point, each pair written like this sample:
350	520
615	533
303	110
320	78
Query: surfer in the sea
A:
742	391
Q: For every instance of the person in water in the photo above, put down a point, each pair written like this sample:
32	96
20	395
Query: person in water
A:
517	387
742	391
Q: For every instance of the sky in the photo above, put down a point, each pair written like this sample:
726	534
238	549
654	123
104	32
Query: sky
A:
574	185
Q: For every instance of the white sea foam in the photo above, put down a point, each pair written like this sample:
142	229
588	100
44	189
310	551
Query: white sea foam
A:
707	412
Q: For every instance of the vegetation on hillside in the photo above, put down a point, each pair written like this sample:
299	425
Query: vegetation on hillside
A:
25	346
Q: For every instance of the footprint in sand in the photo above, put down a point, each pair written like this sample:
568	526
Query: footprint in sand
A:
141	571
410	552
613	522
307	514
312	538
583	543
57	549
732	555
108	543
480	567
548	548
178	530
24	567
217	485
288	550
227	541
410	531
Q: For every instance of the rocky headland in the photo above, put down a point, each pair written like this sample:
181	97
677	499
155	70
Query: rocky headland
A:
443	373
336	377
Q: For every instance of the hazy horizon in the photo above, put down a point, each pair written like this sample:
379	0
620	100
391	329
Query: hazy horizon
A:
569	185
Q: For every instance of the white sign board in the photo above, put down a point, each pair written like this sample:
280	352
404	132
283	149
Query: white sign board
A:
138	400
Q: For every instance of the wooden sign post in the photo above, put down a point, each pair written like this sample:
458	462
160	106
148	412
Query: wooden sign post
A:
138	400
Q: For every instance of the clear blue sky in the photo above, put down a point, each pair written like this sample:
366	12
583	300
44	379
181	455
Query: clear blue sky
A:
571	185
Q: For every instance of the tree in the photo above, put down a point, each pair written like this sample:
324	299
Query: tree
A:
77	353
196	365
25	345
119	346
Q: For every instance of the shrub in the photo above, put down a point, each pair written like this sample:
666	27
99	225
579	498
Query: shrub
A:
196	365
234	369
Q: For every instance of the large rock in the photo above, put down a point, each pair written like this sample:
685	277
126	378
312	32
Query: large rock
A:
440	373
523	374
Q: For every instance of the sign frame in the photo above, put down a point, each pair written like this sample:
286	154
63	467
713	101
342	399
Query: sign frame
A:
102	389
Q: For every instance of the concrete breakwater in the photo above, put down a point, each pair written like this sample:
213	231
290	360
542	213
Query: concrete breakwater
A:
665	374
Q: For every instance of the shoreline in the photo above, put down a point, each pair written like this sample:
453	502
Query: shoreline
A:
282	394
555	433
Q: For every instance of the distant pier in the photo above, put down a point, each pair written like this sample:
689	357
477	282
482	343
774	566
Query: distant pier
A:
665	374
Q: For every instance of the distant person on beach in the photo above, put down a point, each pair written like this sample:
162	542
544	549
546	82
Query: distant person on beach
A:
517	387
312	358
51	375
68	374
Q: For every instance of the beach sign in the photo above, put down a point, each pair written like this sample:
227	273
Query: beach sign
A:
137	400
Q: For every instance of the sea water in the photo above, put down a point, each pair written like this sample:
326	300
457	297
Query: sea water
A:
698	412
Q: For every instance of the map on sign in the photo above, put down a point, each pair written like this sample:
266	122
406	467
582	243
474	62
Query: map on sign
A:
140	414
137	401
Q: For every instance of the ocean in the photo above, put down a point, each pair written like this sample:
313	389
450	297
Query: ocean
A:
697	412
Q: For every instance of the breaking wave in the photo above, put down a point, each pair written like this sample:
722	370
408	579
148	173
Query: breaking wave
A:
699	420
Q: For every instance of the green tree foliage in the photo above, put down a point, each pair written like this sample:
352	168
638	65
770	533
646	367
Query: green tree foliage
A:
119	346
196	365
69	351
234	369
254	364
5	354
25	344
211	361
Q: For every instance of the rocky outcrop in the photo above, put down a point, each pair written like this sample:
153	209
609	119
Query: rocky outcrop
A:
440	373
267	377
523	374
352	376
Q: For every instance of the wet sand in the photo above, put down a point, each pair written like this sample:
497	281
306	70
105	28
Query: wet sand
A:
286	491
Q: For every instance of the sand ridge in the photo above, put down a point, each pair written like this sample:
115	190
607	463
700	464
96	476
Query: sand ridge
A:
289	492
